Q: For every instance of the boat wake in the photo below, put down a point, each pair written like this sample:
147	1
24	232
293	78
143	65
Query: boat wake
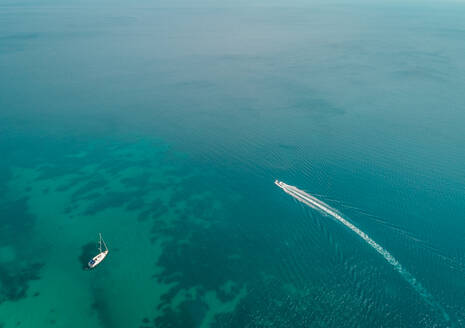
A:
324	208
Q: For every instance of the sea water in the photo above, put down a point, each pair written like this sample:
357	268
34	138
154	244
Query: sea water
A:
163	125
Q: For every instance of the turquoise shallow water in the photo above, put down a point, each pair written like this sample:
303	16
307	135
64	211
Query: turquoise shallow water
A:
163	126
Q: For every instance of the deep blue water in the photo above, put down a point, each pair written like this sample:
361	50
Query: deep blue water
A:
163	126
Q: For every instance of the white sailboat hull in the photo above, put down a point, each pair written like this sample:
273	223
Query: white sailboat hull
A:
97	259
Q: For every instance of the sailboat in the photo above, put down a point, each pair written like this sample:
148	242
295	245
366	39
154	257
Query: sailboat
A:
97	259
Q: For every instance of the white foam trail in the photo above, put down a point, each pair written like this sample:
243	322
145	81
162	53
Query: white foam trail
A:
319	205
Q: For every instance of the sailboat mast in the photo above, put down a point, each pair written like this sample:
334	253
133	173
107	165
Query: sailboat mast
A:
104	244
100	242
